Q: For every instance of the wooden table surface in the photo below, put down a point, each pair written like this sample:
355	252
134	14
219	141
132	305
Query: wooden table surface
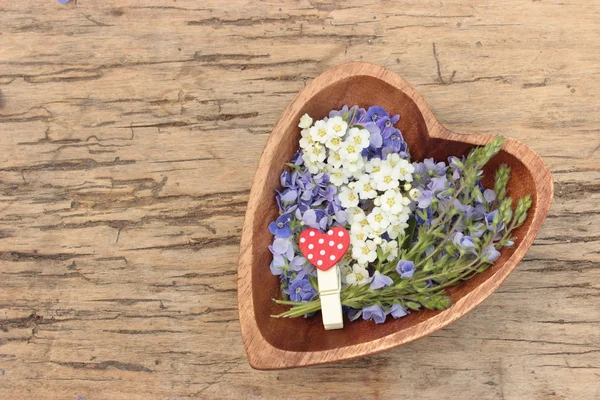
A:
129	135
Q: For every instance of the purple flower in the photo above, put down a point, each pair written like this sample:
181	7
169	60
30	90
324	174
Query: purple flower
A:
434	168
339	113
491	254
281	227
315	219
375	313
301	290
278	264
425	198
376	114
297	159
283	247
489	195
354	314
465	242
405	268
387	126
489	218
396	141
397	311
380	280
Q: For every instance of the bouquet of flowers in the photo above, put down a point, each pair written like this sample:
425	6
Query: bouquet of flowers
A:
416	228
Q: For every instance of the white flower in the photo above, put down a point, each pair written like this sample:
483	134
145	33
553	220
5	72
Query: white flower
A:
358	276
373	165
356	167
393	159
405	170
305	121
355	214
317	153
336	126
378	219
377	240
376	233
319	132
359	137
396	229
350	152
334	142
348	197
335	159
306	142
364	188
337	176
385	178
313	167
390	249
391	201
359	231
364	252
414	193
407	187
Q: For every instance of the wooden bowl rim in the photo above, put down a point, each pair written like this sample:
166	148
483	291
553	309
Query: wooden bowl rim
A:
261	354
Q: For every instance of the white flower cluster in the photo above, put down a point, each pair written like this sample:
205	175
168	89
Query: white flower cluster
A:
382	184
329	146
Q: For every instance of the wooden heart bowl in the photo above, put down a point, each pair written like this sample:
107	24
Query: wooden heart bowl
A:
276	343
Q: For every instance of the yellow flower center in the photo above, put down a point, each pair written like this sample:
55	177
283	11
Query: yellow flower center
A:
366	250
379	218
322	132
360	236
337	128
359	277
351	149
351	196
368	187
387	179
357	140
364	222
403	171
391	202
376	169
335	141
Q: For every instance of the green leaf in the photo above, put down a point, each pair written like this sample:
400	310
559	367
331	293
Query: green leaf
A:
409	233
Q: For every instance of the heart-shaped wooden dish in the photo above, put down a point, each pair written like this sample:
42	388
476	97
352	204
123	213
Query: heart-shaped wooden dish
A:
273	343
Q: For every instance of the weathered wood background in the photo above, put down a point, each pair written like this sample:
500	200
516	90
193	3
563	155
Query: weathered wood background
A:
129	134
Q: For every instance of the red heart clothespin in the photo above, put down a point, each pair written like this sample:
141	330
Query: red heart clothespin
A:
324	250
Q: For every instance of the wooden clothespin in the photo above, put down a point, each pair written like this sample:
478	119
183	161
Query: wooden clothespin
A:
324	250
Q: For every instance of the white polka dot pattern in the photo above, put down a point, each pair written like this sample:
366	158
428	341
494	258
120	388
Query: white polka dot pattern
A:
322	253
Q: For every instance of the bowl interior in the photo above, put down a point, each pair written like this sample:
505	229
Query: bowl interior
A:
308	334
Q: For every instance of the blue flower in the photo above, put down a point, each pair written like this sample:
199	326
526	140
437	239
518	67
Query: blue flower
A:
315	218
376	114
281	227
424	199
374	313
491	254
435	169
380	280
489	195
301	290
396	141
397	311
463	241
278	264
283	247
405	268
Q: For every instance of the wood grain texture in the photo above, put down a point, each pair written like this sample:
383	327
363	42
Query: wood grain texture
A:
283	343
130	132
